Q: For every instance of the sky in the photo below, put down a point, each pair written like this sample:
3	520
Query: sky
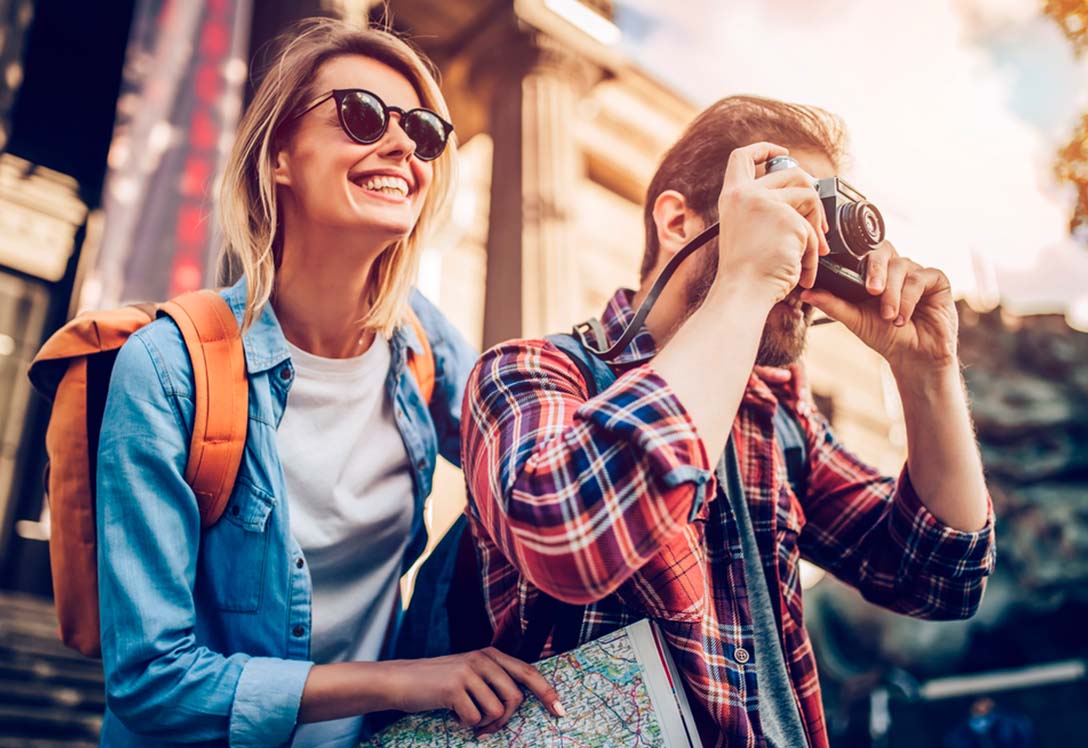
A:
955	110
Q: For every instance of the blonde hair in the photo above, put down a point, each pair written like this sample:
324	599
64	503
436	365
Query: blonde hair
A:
247	202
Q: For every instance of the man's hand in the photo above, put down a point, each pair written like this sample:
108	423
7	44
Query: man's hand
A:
772	228
912	325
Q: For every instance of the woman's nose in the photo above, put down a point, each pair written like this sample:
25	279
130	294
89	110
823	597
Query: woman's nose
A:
395	142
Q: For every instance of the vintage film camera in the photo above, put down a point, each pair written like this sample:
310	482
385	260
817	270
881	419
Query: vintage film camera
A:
856	228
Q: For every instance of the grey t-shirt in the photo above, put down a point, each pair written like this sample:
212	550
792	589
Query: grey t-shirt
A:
778	712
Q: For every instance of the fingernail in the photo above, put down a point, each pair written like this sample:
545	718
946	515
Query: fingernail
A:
558	709
887	312
899	321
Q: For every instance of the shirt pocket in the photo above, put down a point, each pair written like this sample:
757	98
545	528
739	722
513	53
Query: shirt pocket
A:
235	550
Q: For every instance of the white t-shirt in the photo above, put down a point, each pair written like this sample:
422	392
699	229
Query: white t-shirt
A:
349	490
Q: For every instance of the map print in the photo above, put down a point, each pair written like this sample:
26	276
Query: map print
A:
603	691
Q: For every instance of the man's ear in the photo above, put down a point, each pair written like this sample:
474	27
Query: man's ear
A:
676	223
281	172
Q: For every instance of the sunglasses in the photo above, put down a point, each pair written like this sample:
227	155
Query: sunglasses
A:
365	118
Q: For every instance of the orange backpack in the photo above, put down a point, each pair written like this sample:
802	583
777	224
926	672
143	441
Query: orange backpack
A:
73	369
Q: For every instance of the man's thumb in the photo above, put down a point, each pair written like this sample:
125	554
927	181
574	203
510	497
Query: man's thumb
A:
834	307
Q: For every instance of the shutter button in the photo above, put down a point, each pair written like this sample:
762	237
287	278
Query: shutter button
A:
740	654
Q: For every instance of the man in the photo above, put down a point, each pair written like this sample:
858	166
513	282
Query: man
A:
616	502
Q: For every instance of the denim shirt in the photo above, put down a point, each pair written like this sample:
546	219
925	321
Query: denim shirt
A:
206	634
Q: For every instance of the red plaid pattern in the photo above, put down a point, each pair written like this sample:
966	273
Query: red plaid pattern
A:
610	501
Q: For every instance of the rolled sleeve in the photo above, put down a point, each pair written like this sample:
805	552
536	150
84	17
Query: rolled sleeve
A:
933	547
579	492
267	700
642	409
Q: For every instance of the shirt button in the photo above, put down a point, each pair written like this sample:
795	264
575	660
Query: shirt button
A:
235	510
421	464
298	631
285	373
740	654
299	563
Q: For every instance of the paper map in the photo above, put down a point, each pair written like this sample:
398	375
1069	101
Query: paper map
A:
615	690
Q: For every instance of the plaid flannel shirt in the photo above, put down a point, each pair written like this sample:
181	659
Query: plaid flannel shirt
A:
611	502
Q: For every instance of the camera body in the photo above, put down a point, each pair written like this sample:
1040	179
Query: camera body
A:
855	228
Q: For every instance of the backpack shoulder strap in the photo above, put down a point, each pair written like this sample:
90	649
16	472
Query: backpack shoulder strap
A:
597	374
421	365
221	394
791	438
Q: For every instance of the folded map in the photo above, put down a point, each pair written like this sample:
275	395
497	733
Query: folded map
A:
620	690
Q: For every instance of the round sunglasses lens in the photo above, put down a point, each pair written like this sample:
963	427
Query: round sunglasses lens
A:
363	116
427	131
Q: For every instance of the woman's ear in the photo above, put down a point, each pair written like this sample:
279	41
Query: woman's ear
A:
676	223
281	172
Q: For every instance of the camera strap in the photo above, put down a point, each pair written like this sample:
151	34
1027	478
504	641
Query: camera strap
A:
591	337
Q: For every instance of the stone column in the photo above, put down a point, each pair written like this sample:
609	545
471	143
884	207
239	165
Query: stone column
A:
535	86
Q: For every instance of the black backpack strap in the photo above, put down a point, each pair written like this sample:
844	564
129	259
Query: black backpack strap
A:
597	375
791	438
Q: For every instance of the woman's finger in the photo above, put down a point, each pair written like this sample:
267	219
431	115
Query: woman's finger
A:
529	677
491	708
465	709
509	693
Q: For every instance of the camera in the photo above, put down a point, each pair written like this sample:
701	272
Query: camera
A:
855	229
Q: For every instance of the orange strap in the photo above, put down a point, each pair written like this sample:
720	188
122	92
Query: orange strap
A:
422	365
221	391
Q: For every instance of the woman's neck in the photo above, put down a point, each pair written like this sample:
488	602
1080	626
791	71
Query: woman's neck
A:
322	292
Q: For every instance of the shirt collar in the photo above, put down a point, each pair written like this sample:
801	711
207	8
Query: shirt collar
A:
265	345
617	315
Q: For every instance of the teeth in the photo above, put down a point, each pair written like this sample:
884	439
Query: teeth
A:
384	183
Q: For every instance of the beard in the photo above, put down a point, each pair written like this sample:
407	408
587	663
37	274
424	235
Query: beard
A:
784	332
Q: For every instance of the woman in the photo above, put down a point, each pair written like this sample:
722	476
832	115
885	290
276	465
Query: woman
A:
266	628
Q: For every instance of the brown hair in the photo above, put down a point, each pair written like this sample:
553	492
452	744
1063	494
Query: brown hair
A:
695	165
247	201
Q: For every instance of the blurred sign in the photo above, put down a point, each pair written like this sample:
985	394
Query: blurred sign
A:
179	105
40	212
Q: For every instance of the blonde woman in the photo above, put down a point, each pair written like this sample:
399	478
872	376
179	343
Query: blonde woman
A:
267	628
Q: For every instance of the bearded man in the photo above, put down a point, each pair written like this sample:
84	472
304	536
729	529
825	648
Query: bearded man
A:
666	494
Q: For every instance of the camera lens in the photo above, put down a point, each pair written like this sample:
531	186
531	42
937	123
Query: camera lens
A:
862	227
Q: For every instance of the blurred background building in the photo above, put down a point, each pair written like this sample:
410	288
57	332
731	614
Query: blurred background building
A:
115	118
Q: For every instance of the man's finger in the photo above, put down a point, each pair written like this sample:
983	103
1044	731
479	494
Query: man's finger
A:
788	178
876	267
810	260
834	307
741	167
918	282
531	678
893	287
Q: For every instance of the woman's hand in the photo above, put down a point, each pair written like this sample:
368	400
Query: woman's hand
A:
481	687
